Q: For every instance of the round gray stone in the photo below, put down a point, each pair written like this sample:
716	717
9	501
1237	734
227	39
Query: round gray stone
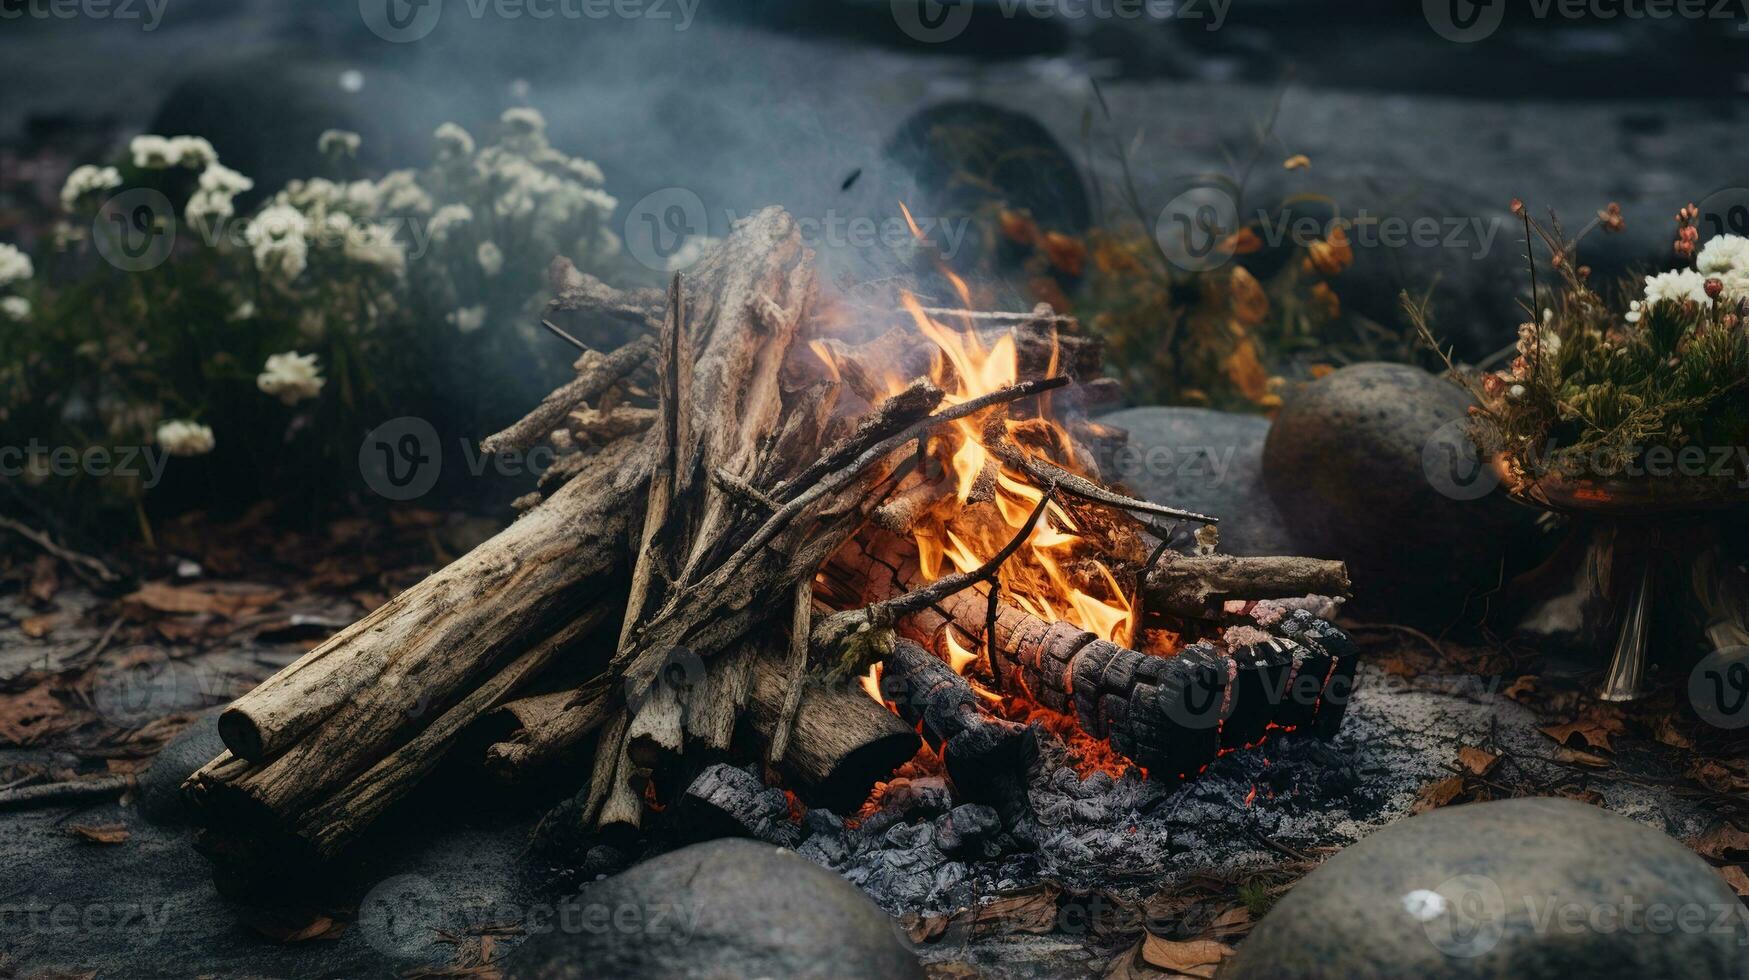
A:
160	794
726	908
1523	889
1205	461
1364	466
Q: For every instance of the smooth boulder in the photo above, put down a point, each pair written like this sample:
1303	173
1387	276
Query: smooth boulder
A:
726	908
1372	465
1205	461
1524	889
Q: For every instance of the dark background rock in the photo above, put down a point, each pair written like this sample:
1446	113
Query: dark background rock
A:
1458	893
732	908
1346	463
1204	461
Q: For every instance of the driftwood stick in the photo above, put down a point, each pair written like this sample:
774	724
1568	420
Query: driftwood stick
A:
551	412
566	718
795	665
1196	585
67	793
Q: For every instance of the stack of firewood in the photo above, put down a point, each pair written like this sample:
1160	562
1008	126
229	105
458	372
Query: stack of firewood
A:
679	592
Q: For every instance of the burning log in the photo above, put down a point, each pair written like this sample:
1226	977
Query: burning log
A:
725	801
986	757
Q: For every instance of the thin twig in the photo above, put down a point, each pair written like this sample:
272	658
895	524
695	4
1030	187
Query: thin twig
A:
844	477
801	625
990	609
60	794
562	335
1043	471
68	555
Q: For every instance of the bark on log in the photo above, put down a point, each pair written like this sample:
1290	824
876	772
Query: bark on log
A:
841	742
1195	586
986	757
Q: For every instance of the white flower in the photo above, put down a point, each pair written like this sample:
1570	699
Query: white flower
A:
448	218
291	377
220	179
491	258
244	311
375	245
152	152
453	141
182	437
15	308
338	142
523	119
401	194
276	237
1724	255
585	170
1636	309
88	180
207	206
1678	286
468	318
14	265
1516	391
191	152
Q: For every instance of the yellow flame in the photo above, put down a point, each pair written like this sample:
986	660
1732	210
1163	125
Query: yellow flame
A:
871	683
958	657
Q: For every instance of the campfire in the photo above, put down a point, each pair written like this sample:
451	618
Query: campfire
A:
822	537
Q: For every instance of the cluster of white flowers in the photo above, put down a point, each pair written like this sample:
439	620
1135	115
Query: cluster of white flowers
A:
1678	286
215	193
88	179
449	219
291	377
15	308
1726	258
183	437
338	142
453	142
374	245
399	194
160	153
276	237
15	266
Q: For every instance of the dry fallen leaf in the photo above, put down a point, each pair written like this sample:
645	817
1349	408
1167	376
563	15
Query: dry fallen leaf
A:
1299	161
1235	921
1735	877
1721	842
1577	757
1522	689
37	627
109	833
1195	958
1476	762
317	926
1721	775
34	714
1594	731
1437	794
227	599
